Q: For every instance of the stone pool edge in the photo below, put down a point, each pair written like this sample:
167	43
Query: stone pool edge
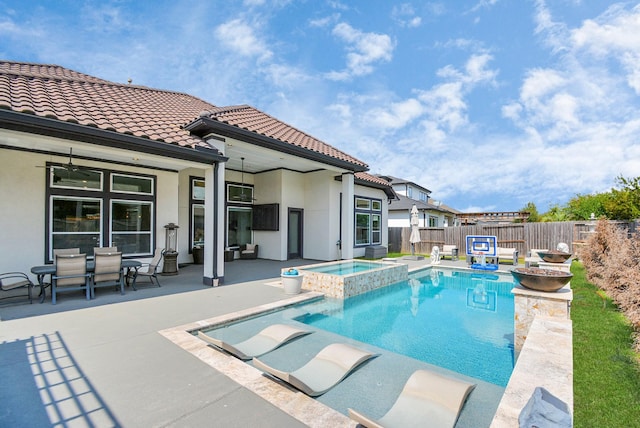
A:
298	405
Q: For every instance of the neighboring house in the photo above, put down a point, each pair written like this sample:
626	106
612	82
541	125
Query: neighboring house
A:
432	214
143	158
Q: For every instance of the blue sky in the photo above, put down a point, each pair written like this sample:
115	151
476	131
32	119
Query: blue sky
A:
490	104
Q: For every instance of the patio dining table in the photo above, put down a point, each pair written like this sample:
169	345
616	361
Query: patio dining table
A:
50	269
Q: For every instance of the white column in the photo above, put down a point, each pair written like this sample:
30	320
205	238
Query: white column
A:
214	228
348	219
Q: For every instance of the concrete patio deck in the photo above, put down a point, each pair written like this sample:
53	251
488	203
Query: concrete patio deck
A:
103	363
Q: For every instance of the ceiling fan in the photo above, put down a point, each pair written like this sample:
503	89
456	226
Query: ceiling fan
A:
243	197
69	166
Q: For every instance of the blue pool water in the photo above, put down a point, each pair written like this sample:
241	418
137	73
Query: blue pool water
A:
458	320
346	268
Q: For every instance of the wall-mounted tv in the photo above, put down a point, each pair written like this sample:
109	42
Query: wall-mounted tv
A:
266	217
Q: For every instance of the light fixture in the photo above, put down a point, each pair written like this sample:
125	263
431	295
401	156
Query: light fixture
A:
242	196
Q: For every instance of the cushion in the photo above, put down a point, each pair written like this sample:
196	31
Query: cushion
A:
250	248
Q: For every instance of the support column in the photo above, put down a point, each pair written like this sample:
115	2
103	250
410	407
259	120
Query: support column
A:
348	219
214	228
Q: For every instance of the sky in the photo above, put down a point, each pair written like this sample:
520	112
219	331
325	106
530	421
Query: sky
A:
489	104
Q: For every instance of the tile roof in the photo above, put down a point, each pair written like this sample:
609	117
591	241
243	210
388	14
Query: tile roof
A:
254	120
59	93
365	176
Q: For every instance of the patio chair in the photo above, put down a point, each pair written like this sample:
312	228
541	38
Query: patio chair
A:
249	251
61	251
265	341
97	250
148	270
426	399
71	274
108	271
328	368
10	281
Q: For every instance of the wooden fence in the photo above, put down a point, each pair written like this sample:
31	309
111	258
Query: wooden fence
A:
521	236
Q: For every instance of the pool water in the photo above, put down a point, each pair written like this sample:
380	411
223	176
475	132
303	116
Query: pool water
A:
458	320
345	268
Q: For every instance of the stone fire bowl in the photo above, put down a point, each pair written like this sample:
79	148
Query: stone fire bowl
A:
554	256
541	279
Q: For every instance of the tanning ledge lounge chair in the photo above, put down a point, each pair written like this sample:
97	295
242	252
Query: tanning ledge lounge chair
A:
265	341
427	398
329	367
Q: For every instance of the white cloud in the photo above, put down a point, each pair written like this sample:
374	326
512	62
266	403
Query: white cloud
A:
363	51
405	15
615	35
241	38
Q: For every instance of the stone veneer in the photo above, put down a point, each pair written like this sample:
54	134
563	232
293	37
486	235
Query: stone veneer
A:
345	286
543	341
530	303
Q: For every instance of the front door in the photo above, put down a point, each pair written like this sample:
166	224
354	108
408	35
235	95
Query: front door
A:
294	241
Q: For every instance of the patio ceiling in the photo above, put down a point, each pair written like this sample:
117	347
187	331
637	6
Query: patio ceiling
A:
258	159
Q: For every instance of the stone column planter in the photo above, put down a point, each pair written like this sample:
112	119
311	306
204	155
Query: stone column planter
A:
291	281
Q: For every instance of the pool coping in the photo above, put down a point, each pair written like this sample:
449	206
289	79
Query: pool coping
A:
295	403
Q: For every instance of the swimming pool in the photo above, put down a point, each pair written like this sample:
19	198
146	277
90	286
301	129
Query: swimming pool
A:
458	320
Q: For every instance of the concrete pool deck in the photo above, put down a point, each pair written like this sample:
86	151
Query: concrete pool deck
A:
104	362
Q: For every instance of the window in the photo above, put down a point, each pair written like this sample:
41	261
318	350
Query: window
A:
424	197
63	178
433	221
239	194
94	208
409	192
196	225
131	223
75	222
376	228
368	221
131	184
238	226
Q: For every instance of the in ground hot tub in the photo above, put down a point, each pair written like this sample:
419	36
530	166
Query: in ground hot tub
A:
346	278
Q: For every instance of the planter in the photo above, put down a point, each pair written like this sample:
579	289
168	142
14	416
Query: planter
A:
554	256
198	255
537	279
292	283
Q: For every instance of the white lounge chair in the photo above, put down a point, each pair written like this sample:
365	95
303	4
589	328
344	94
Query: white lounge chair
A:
427	399
329	367
265	341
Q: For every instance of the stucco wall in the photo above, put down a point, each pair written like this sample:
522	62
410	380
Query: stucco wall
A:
22	192
22	212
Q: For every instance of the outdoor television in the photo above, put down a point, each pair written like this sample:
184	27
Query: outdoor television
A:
266	217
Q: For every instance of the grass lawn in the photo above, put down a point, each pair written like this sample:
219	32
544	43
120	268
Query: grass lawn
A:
606	372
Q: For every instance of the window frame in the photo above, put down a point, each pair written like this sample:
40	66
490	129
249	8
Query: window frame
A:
373	211
106	195
195	202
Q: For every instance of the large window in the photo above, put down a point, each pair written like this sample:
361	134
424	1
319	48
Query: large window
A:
99	208
75	222
197	212
131	223
368	221
239	226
